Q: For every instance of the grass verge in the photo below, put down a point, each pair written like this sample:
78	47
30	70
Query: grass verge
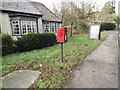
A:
48	60
110	31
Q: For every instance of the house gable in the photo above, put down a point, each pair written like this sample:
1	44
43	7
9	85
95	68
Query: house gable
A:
48	15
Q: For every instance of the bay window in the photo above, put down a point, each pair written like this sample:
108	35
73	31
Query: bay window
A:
23	25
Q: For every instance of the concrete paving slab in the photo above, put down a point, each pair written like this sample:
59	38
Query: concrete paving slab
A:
20	79
100	68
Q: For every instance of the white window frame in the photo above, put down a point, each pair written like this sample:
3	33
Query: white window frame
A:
56	27
13	28
22	27
52	27
35	26
46	26
31	26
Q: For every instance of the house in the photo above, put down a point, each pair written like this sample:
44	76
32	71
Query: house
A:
18	18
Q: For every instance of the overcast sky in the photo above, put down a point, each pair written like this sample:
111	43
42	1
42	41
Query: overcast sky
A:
99	3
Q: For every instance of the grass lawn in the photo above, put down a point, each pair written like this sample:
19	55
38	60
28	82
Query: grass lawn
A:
53	71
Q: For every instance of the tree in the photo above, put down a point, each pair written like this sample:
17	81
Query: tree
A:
117	20
108	12
55	9
68	15
76	16
109	7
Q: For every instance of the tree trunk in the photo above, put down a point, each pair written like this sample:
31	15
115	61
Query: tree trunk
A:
71	29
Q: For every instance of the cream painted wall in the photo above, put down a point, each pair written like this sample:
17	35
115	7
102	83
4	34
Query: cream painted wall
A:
40	26
5	23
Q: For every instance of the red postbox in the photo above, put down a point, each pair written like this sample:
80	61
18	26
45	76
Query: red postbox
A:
62	35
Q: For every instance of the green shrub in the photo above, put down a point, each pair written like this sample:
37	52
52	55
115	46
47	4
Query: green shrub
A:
107	26
83	26
7	44
28	42
35	41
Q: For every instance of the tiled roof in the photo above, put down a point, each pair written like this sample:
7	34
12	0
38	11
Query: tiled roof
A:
27	6
19	6
47	14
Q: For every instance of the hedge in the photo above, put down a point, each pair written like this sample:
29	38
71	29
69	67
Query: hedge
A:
7	44
27	43
35	41
107	26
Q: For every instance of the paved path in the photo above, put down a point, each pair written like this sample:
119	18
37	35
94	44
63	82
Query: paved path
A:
100	68
20	79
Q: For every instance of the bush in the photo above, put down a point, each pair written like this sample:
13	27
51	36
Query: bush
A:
35	41
7	44
83	26
26	43
107	26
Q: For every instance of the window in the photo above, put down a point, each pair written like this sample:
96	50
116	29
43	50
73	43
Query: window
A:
55	27
58	25
34	26
47	27
16	27
28	26
23	27
51	27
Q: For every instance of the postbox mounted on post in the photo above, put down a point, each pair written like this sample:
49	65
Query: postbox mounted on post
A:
62	35
62	38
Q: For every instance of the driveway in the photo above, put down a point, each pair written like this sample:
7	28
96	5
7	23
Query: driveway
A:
100	68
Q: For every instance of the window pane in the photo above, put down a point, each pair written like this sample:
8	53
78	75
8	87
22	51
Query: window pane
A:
52	27
24	27
55	27
16	27
47	27
29	26
34	27
58	25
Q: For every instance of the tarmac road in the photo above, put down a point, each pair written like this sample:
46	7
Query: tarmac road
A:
100	68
